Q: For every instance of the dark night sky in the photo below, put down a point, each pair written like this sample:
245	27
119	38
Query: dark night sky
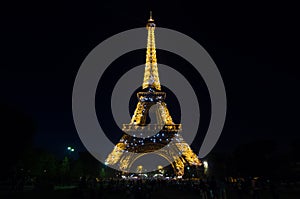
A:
254	45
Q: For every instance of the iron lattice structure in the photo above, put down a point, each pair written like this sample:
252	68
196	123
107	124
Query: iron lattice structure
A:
151	101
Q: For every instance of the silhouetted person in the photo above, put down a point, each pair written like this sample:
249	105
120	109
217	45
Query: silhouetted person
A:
203	189
213	187
255	188
239	189
222	189
83	187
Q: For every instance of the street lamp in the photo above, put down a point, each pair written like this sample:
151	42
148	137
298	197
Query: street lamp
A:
205	164
70	149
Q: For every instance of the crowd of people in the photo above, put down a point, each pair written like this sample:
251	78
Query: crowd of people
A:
206	188
88	187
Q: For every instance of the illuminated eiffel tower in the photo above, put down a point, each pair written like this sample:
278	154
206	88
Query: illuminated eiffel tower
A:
151	101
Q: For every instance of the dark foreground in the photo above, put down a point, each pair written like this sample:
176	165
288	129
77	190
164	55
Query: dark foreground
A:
169	193
157	189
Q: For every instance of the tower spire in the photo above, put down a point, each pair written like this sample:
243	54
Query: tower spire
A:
151	78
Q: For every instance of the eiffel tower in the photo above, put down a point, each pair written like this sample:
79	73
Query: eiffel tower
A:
155	136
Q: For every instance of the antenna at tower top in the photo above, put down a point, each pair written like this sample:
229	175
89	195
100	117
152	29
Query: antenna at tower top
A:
150	14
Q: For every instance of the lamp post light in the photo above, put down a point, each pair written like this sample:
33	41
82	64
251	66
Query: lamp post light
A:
205	165
70	150
188	172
